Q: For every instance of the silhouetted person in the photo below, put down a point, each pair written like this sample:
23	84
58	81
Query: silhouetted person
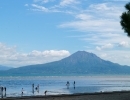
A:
33	88
5	92
68	84
45	92
38	86
22	92
5	89
2	89
74	84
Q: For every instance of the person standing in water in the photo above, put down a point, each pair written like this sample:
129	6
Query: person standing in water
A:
68	84
45	92
5	91
22	92
38	88
2	88
74	84
33	88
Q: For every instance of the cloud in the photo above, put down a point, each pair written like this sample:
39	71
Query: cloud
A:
40	8
83	16
42	1
26	5
96	18
101	7
68	2
60	6
106	46
117	56
123	44
98	24
10	57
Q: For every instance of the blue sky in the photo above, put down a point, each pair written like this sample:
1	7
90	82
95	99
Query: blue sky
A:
40	31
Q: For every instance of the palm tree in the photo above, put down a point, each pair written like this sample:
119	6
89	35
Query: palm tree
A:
125	19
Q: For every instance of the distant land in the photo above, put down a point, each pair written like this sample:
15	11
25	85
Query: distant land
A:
4	67
79	63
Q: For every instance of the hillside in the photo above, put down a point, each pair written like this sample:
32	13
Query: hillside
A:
79	63
4	67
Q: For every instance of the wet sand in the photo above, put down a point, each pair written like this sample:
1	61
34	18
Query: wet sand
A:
118	95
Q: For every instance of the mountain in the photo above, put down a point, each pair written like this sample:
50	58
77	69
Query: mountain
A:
79	63
4	67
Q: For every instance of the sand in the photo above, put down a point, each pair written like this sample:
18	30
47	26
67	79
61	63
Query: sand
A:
118	95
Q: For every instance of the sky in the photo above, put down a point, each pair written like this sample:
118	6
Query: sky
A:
42	31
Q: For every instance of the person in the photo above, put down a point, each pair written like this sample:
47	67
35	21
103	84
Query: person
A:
33	88
38	86
2	89
74	84
22	91
33	85
2	92
45	92
5	89
68	84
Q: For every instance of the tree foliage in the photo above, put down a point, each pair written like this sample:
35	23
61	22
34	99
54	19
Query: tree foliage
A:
125	19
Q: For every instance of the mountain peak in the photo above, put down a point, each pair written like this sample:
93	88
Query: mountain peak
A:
81	56
83	53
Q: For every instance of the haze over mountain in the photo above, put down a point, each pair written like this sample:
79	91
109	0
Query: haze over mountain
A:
79	63
4	67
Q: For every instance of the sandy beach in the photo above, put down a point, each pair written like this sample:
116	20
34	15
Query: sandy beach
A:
118	95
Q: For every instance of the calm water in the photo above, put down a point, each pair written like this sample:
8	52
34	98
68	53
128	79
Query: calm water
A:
57	85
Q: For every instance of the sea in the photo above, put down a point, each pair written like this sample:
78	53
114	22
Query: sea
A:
55	85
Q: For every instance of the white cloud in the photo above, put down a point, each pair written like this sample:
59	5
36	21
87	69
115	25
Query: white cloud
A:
68	2
117	56
97	18
98	48
59	7
6	51
40	8
45	1
83	16
42	1
101	7
100	22
106	46
26	5
10	57
93	25
124	44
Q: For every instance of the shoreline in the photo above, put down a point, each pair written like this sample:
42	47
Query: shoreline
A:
115	95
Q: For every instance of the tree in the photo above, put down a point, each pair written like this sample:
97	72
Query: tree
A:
125	19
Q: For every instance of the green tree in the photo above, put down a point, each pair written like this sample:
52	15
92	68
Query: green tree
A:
125	19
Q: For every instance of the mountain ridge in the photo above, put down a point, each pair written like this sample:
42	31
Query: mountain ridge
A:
79	63
4	67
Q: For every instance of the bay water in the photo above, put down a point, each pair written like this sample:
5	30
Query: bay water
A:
57	85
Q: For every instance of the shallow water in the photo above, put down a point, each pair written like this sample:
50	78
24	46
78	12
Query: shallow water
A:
57	85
